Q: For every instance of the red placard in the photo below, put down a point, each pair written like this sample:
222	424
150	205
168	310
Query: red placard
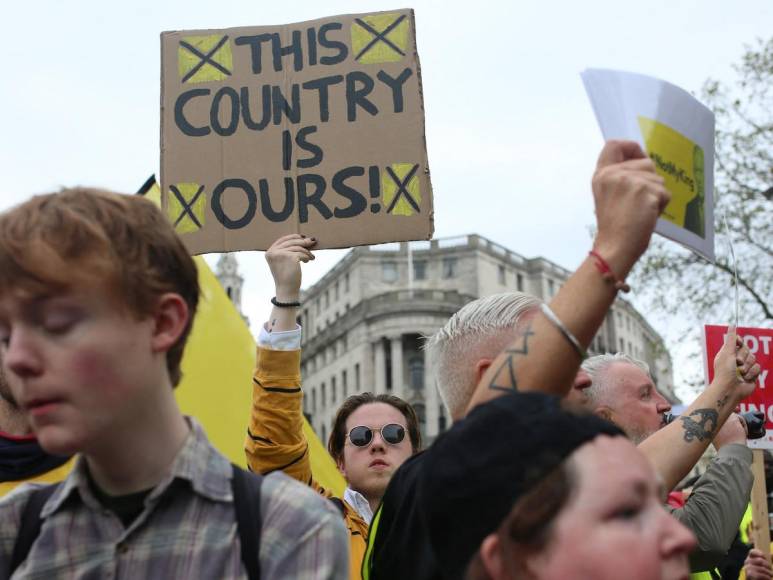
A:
760	342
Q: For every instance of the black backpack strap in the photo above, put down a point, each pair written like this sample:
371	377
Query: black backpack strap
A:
339	503
31	522
246	490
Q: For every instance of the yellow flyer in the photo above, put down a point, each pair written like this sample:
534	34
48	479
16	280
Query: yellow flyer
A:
677	132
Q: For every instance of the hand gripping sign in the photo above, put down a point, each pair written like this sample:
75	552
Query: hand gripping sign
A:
760	343
314	128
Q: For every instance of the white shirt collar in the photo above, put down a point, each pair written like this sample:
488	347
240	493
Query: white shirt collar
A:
359	503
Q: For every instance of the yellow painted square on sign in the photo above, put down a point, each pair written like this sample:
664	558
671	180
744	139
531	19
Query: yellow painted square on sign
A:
680	162
203	59
401	189
185	206
380	38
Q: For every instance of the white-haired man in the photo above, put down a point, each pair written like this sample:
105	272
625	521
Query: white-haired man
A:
620	389
463	349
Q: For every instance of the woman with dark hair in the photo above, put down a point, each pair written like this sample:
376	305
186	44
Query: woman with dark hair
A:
598	516
526	489
372	435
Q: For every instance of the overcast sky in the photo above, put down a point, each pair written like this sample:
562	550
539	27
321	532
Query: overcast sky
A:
511	137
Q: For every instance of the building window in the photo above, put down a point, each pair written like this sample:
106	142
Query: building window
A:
344	385
449	267
622	345
336	290
314	400
416	369
442	423
420	270
389	271
357	377
324	435
323	396
551	288
519	282
501	272
327	298
333	389
346	282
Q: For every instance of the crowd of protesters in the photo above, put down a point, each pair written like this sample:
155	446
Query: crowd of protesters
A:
556	466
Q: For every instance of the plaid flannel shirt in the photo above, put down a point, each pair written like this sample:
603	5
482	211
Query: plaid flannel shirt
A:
187	529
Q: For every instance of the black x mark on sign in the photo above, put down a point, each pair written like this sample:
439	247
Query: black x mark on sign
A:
402	190
379	36
187	206
205	58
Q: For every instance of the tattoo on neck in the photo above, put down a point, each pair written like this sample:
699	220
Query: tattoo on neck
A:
504	378
702	426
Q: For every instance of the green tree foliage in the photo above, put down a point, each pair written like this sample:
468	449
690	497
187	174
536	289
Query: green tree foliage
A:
676	281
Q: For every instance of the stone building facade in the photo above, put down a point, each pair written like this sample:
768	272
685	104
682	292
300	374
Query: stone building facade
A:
364	321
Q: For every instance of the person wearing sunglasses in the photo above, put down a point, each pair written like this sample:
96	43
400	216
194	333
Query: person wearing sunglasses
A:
372	435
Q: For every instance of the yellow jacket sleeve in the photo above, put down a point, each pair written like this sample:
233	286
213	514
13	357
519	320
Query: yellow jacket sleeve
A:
275	438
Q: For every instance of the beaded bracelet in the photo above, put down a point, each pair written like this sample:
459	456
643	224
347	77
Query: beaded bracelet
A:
278	304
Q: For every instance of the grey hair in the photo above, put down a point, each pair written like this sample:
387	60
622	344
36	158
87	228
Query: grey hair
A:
480	329
597	366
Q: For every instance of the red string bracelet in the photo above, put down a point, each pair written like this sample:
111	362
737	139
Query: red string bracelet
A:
607	274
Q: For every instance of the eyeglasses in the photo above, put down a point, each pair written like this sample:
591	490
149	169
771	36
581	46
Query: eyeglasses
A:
361	436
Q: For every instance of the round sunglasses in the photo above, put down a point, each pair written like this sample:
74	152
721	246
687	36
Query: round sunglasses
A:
361	436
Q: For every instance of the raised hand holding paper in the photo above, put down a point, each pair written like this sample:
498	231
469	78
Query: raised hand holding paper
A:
677	132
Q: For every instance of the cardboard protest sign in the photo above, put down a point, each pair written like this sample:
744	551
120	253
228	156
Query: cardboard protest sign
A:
315	128
677	132
760	343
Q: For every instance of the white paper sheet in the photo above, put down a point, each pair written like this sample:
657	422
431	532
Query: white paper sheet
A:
677	132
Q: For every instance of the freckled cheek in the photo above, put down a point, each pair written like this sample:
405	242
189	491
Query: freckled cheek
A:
97	369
